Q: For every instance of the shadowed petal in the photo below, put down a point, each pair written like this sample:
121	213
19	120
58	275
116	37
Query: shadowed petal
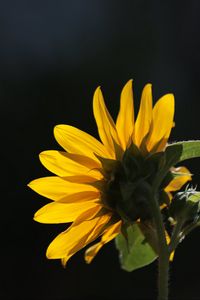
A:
110	233
80	197
82	178
83	160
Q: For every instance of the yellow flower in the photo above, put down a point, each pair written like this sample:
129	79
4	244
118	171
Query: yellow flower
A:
83	190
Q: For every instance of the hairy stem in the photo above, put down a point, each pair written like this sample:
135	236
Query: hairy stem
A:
176	236
163	266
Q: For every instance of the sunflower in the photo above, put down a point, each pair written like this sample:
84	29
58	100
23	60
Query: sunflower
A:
100	185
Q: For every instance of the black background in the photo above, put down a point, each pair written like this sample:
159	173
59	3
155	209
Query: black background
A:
53	55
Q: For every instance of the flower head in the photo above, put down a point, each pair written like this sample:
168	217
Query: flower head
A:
99	186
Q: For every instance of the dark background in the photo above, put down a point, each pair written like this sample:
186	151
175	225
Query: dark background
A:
53	55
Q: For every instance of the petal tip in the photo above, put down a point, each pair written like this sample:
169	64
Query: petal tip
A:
50	253
97	91
35	217
130	81
61	127
149	85
170	96
42	155
57	128
128	84
30	184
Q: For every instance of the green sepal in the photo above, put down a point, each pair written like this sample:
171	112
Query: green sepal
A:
153	163
135	251
108	165
118	150
133	150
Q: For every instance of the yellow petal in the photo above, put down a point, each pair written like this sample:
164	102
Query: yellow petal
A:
83	178
177	183
80	197
125	118
162	122
77	141
82	232
106	127
171	257
60	163
60	212
55	188
144	118
84	160
168	239
64	260
110	233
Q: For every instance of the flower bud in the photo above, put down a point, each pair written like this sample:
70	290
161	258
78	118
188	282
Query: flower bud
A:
185	206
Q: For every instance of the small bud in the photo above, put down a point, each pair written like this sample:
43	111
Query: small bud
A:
185	206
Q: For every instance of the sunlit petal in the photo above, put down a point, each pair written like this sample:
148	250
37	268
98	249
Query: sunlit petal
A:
177	183
55	188
144	118
109	234
60	212
125	118
81	233
61	164
105	123
77	141
162	122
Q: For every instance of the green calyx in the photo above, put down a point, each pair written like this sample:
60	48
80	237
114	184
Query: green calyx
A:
128	183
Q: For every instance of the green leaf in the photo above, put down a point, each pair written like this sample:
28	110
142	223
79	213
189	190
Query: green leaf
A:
135	251
183	150
176	153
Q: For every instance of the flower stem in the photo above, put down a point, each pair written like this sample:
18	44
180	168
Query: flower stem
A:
163	260
163	275
176	236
